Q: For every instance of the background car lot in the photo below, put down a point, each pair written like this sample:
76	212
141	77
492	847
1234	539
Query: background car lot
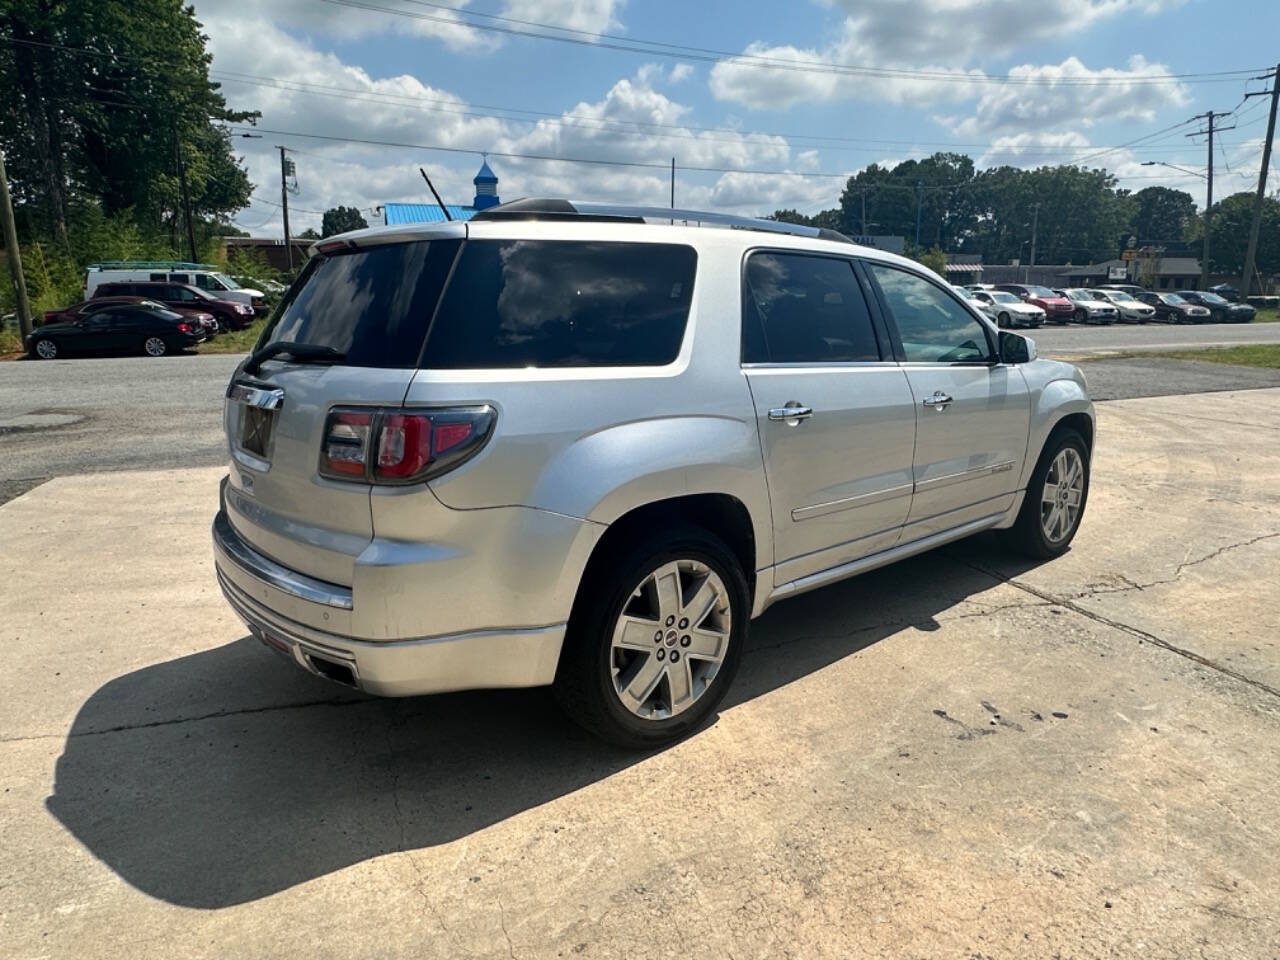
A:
946	750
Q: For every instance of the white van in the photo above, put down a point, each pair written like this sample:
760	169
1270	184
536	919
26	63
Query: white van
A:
206	276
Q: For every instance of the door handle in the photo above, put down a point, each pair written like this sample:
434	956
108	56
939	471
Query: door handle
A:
939	401
792	411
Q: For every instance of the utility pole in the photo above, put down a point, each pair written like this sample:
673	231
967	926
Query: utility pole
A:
186	197
1251	255
673	183
14	255
1035	225
1208	117
284	206
919	203
864	212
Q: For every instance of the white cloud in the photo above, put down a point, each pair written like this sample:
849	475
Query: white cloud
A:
1072	93
912	53
681	71
590	16
632	122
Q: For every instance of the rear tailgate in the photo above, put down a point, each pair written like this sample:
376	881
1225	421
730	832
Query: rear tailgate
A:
371	303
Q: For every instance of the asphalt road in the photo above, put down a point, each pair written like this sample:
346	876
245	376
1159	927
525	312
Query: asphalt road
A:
71	417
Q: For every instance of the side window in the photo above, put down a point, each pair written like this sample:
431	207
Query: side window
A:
798	308
933	327
107	319
158	277
178	278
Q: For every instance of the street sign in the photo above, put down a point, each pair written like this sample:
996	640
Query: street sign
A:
1117	273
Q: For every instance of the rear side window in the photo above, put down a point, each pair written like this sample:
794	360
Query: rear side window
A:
550	303
804	309
371	305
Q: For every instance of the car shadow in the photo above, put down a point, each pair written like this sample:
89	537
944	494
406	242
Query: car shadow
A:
234	805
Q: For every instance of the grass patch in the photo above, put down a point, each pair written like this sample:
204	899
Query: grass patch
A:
10	341
1254	355
236	341
1267	315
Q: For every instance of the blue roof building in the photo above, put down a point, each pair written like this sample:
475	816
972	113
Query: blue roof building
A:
486	183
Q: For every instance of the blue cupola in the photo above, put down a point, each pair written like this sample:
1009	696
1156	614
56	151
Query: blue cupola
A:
486	188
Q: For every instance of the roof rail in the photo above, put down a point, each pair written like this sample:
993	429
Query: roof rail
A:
546	208
150	265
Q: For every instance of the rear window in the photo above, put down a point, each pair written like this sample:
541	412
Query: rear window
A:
371	305
548	303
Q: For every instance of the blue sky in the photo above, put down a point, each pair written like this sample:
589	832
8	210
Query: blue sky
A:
1089	76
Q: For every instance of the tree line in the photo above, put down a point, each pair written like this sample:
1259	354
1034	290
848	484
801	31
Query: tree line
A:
1080	215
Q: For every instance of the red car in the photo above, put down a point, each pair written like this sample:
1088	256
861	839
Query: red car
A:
78	311
230	314
1057	308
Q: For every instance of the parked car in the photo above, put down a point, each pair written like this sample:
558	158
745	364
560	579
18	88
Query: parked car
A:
78	311
1130	308
1056	308
1173	309
230	314
1227	292
1007	310
1220	309
121	328
1089	306
618	441
202	276
1131	289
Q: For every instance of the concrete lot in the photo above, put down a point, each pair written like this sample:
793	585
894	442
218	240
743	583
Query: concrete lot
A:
959	756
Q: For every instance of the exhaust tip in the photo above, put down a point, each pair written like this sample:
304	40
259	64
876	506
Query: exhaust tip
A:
333	670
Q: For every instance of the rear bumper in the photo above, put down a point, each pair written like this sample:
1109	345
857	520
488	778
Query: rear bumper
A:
510	657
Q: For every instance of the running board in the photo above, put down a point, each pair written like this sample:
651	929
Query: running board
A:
885	557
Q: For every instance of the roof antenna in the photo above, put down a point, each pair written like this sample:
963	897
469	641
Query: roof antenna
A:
443	208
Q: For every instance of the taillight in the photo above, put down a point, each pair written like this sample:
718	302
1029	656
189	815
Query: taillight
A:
346	445
400	446
184	327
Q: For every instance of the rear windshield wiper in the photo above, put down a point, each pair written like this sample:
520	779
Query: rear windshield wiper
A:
300	352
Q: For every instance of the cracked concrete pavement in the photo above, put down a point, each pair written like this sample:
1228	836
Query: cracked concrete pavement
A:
960	755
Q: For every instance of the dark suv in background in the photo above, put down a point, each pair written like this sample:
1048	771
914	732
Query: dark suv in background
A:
230	314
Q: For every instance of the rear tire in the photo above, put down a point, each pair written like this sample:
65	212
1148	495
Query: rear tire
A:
1082	316
1055	499
626	673
155	347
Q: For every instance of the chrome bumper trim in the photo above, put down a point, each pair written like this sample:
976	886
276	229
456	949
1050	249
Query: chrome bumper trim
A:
230	545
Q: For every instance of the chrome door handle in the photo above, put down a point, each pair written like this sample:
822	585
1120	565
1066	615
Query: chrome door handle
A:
792	411
939	401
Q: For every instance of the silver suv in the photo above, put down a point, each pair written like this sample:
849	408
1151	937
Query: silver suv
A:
583	446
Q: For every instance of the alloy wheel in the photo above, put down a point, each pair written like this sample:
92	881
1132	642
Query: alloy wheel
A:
154	346
670	639
46	350
1062	495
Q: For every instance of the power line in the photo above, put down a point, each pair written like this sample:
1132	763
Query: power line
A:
710	55
571	121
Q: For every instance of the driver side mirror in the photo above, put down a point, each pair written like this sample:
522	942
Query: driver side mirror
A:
1015	348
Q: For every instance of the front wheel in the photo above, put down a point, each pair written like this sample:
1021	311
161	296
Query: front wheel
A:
155	347
45	349
1055	498
655	639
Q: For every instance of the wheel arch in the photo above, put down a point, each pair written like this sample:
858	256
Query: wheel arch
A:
721	514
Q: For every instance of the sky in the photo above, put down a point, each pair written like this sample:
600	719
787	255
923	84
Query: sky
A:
776	102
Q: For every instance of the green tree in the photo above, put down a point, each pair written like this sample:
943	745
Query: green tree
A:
340	220
1163	215
932	258
105	103
1229	234
308	234
790	216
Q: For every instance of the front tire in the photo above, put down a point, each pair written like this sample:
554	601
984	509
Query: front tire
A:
1055	499
44	349
655	638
